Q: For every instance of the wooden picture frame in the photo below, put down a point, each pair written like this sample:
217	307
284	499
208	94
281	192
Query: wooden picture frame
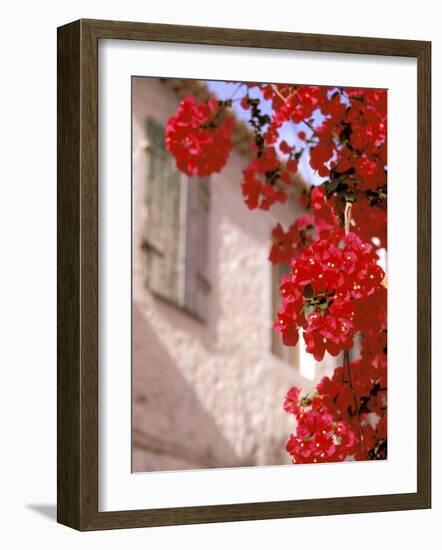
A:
77	227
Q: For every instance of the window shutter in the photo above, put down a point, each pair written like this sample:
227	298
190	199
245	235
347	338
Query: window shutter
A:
161	238
197	285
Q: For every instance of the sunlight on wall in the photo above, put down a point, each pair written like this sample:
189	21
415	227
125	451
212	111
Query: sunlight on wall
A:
307	364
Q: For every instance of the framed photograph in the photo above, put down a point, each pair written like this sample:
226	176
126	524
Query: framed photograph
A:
243	273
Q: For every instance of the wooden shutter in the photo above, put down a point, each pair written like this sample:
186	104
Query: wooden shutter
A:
197	285
162	230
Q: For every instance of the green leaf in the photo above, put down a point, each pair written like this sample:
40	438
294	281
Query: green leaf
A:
349	196
331	185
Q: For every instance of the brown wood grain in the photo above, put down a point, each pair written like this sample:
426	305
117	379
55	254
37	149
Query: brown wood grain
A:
77	227
68	275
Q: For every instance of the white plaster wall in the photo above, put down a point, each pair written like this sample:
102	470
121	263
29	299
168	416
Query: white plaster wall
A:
209	394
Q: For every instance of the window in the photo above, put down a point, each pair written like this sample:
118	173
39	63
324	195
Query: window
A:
288	354
175	236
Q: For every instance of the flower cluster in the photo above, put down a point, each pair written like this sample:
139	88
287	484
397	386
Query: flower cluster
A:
370	218
318	437
325	294
358	390
350	136
291	102
199	136
287	244
349	146
336	291
261	178
344	417
325	219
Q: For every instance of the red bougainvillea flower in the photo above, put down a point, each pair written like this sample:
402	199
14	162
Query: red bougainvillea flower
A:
291	402
333	332
374	344
370	220
305	100
326	292
319	156
260	179
318	437
288	243
325	220
200	136
345	416
366	395
335	293
351	135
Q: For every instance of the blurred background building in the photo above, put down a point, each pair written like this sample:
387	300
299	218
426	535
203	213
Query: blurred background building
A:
209	372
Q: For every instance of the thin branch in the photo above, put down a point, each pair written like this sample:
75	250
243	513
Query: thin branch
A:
312	128
347	217
355	398
236	89
278	93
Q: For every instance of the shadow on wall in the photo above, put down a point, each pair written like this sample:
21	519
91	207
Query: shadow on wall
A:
171	429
